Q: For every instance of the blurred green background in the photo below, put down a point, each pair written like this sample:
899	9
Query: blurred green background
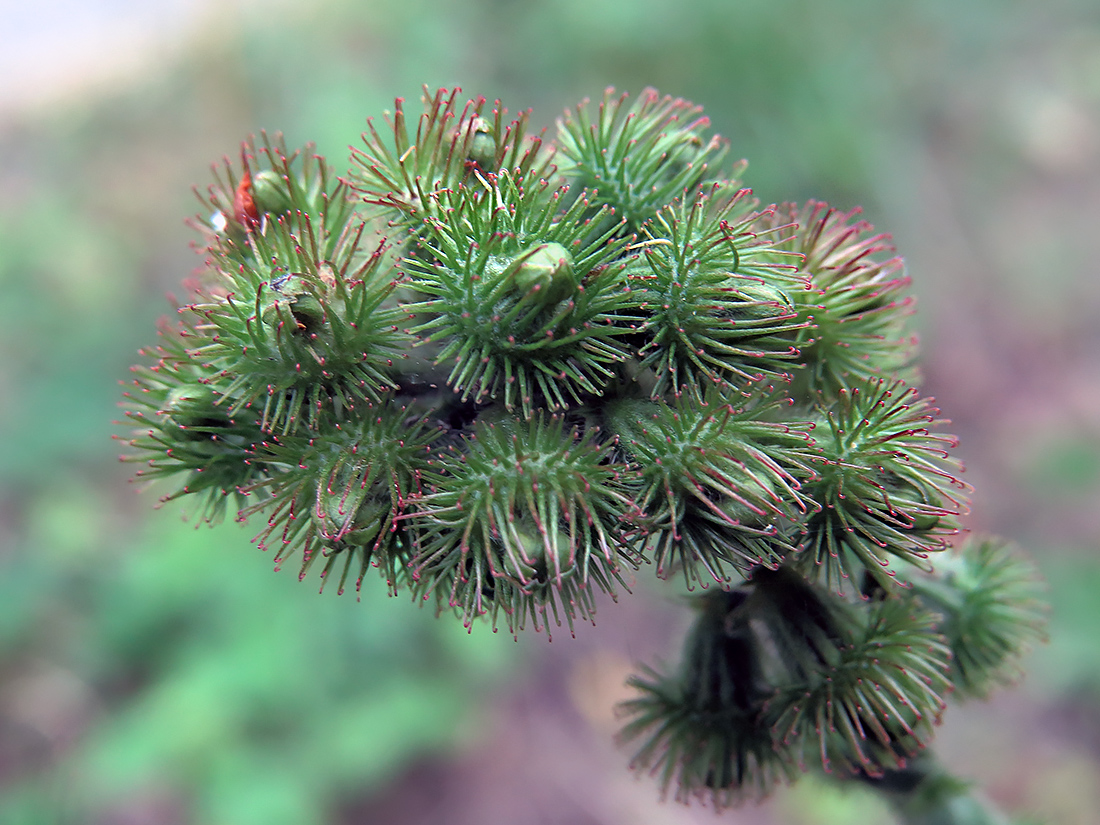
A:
152	672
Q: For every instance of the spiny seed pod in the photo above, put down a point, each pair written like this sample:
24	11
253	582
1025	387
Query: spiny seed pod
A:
716	309
273	184
345	494
182	426
777	670
878	703
704	736
400	177
525	305
886	486
988	596
720	487
636	160
302	333
806	625
853	311
528	519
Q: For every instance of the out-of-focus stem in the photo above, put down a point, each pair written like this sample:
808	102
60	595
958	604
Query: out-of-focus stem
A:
925	793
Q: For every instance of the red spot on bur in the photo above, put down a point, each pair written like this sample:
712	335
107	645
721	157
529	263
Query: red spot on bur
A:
244	206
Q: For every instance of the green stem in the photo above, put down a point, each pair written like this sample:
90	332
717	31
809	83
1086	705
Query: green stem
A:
925	793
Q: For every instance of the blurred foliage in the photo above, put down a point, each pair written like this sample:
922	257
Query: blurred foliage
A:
64	277
1071	662
147	666
244	697
815	800
1066	465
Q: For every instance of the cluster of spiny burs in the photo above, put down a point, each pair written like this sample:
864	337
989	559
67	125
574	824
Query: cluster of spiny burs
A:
506	371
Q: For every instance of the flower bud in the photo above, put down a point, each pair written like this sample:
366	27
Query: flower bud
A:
914	504
760	488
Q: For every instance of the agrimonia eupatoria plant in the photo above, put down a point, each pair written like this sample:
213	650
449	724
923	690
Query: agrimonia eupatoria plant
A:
506	371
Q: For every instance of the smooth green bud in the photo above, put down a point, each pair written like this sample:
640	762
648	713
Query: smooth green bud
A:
348	517
483	146
546	269
914	503
270	192
765	294
193	405
293	292
533	563
760	487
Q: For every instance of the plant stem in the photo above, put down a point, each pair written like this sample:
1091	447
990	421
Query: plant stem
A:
925	793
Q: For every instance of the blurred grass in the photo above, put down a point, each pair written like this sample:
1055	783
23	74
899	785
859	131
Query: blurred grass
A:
148	669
